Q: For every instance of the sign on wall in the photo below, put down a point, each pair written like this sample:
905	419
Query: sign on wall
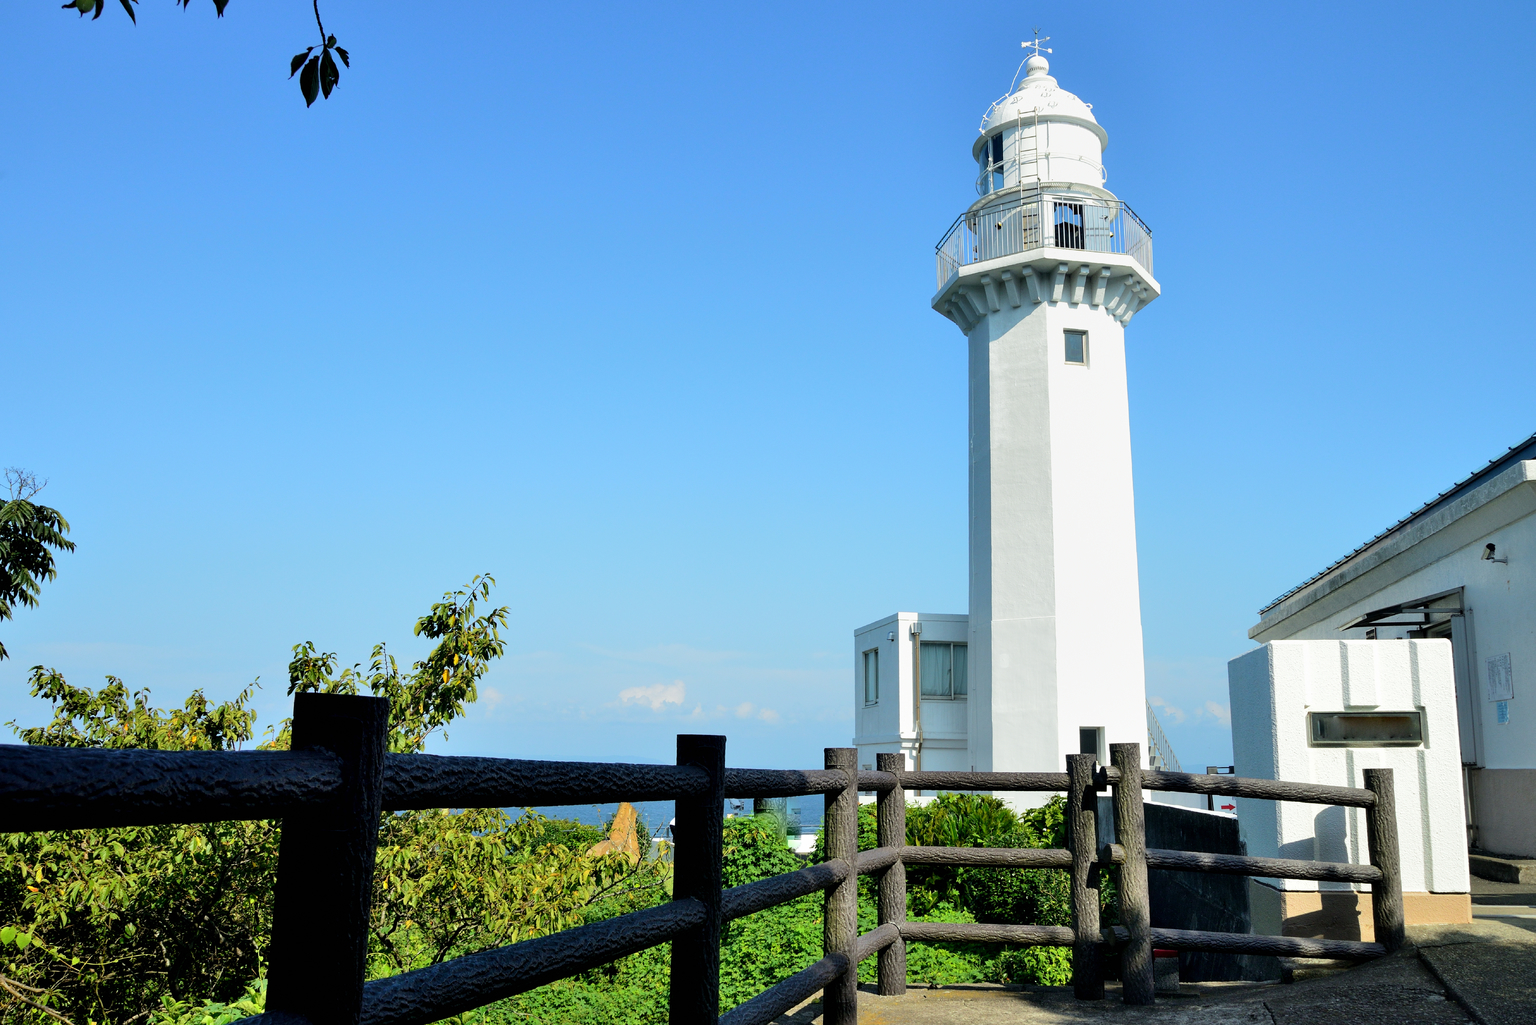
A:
1499	678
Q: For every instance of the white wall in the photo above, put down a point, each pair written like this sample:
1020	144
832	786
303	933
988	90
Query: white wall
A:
1055	610
1273	688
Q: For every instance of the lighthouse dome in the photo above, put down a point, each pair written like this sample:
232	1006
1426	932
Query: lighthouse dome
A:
1039	93
1039	132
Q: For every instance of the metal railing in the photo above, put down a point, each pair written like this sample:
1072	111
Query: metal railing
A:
1036	219
337	780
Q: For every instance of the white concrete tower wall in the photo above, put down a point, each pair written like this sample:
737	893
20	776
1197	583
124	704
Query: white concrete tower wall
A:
1055	609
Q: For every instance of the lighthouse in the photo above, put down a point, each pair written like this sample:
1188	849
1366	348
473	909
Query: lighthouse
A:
1041	274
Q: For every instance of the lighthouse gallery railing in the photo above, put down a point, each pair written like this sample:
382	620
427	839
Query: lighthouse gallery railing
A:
1036	219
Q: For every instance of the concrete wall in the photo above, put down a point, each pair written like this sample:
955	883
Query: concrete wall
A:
1055	609
1197	900
1504	802
1274	688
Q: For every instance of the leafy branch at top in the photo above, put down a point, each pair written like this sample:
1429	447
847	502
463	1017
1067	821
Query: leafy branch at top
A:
27	532
319	73
434	691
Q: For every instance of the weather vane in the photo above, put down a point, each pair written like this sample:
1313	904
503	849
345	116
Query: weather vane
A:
1036	44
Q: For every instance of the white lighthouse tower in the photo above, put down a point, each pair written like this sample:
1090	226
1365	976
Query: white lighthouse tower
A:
1041	273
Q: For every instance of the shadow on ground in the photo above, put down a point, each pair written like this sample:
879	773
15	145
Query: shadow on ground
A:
1448	975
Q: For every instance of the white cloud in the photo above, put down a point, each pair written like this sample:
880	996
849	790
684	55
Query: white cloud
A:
745	710
768	715
490	697
1221	713
1170	714
656	695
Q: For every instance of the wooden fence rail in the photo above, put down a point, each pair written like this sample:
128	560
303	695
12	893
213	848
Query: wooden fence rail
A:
332	787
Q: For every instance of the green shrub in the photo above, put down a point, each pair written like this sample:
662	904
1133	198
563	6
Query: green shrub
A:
753	850
1019	896
948	964
1034	966
951	820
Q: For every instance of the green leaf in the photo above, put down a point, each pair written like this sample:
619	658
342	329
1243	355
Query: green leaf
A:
22	940
343	55
7	935
329	75
330	41
219	5
297	62
309	81
128	6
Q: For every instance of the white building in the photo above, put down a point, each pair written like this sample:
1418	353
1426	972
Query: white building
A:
1463	567
1324	711
1041	273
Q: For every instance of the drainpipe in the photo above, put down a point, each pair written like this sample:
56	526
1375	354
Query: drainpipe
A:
917	695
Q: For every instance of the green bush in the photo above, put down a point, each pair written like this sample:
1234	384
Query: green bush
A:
1034	966
1032	896
952	820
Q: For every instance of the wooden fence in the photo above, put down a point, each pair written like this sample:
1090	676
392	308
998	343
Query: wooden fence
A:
330	789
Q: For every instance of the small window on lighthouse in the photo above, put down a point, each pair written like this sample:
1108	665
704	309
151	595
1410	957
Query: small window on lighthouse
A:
1077	347
872	676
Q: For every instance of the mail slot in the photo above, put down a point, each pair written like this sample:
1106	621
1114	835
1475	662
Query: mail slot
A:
1365	729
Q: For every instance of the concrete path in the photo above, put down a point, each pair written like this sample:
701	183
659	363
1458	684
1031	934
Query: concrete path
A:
1488	967
1510	903
1451	975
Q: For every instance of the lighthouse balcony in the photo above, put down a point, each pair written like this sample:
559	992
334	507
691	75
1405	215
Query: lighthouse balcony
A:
1043	219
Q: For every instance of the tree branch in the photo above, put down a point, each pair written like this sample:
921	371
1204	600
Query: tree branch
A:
10	986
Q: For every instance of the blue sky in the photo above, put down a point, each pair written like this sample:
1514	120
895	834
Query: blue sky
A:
628	307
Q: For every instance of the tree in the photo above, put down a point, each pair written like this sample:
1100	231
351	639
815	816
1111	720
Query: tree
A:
27	532
149	924
318	73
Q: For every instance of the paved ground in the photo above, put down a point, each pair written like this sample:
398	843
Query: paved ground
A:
1510	903
1451	975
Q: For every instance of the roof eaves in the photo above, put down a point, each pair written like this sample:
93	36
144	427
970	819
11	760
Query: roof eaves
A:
1497	464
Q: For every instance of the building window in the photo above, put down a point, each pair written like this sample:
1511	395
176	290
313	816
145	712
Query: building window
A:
943	670
1090	741
871	676
1077	347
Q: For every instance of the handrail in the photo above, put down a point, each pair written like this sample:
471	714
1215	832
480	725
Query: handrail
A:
474	980
1244	786
749	898
331	788
91	788
456	781
782	782
1042	217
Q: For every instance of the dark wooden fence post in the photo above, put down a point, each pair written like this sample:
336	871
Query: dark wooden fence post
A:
1381	835
1083	842
840	922
696	853
319	951
1135	898
891	824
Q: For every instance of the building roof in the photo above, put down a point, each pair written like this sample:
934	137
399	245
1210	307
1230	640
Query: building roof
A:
1524	450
